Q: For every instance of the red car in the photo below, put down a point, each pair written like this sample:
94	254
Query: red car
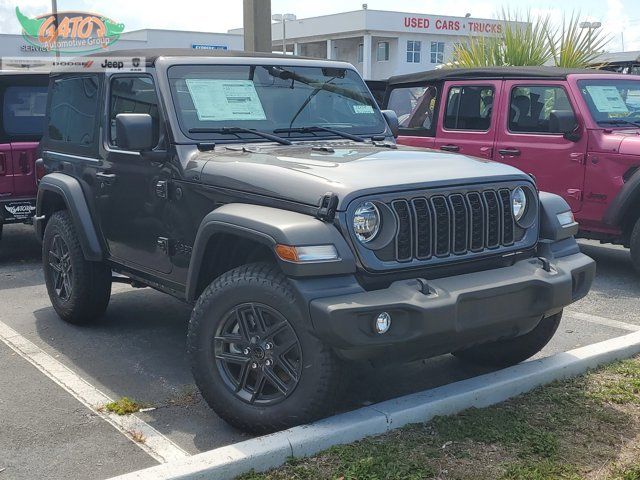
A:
576	131
23	101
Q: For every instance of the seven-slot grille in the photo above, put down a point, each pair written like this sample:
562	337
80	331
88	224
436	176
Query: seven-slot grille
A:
453	224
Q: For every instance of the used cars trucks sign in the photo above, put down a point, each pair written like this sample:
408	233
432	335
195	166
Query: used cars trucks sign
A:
69	32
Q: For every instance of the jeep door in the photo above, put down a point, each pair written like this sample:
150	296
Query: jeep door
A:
416	107
527	139
132	214
467	121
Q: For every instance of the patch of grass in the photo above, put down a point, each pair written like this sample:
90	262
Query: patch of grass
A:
124	406
567	430
545	470
137	436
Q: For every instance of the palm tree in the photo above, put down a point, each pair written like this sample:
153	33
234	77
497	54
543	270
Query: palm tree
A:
532	41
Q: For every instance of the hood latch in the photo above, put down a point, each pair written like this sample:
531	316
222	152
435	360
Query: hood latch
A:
328	206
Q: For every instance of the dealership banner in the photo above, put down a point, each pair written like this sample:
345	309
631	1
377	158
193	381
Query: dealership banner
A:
73	64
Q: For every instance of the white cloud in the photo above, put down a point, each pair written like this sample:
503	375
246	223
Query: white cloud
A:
9	22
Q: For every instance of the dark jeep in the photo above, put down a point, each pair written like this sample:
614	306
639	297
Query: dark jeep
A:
268	192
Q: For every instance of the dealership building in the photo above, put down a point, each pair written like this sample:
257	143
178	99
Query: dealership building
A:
381	43
378	43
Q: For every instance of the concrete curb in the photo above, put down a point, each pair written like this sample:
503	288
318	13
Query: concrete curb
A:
270	451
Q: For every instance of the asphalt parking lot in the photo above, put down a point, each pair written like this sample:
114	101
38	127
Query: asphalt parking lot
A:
138	350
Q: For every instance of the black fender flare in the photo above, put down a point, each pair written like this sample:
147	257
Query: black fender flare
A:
270	226
70	190
627	197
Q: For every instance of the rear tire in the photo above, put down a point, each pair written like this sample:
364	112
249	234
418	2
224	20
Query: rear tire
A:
232	348
634	245
79	290
505	353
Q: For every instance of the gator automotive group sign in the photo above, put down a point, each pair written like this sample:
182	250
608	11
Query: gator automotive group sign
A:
68	32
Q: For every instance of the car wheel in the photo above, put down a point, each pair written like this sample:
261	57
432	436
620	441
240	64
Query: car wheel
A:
634	245
79	290
253	356
504	353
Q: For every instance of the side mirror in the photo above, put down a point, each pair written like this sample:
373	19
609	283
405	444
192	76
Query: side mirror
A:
134	131
392	119
564	121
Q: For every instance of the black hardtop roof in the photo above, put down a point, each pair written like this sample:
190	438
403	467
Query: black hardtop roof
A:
490	72
152	54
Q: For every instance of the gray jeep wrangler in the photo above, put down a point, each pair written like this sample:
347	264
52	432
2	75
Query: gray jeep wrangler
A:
268	192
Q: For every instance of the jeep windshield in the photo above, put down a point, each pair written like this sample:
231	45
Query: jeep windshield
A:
292	102
613	102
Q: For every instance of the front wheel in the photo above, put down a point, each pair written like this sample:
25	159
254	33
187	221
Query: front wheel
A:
253	356
504	353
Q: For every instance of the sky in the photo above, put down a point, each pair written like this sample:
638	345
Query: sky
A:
619	17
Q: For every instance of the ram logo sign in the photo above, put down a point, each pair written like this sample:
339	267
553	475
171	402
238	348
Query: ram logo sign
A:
68	32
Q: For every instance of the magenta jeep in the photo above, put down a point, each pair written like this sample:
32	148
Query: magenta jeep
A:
577	132
23	99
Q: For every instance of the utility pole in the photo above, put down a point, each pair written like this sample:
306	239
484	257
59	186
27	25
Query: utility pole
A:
257	25
54	12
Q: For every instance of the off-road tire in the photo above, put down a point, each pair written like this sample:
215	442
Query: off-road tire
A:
634	244
1	229
320	381
505	353
91	281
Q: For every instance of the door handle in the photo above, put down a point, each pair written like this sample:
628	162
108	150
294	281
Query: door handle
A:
3	163
106	178
450	148
509	152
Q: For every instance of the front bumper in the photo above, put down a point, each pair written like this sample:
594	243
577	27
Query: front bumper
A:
454	312
17	210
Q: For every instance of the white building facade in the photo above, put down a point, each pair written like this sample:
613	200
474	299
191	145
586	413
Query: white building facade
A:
381	43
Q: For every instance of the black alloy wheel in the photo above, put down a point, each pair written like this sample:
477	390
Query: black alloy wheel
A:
61	268
258	354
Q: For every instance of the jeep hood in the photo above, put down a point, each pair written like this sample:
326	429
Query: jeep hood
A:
303	173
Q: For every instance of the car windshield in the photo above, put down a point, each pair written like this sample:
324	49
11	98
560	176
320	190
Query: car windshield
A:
271	98
612	102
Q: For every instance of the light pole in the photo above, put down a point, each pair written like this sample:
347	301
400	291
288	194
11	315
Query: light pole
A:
590	26
284	18
54	11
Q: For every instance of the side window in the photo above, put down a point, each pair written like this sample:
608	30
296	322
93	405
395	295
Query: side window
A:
469	108
531	106
414	106
133	95
73	110
24	110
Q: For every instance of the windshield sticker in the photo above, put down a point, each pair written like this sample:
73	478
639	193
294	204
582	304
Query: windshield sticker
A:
362	109
607	99
219	100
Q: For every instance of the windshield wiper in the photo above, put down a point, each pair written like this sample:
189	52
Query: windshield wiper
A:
619	122
237	130
318	128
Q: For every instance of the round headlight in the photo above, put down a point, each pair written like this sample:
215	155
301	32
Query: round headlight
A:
366	222
518	203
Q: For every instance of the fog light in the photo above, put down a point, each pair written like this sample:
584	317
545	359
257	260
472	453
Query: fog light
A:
382	323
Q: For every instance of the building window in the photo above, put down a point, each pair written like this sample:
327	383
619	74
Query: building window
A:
437	52
360	58
413	51
382	54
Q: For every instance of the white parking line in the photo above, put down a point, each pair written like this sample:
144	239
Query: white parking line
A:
155	443
608	322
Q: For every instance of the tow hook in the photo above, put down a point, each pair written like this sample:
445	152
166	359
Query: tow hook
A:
424	287
546	264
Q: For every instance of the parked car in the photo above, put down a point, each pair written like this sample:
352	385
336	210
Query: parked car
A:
23	99
268	192
576	132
